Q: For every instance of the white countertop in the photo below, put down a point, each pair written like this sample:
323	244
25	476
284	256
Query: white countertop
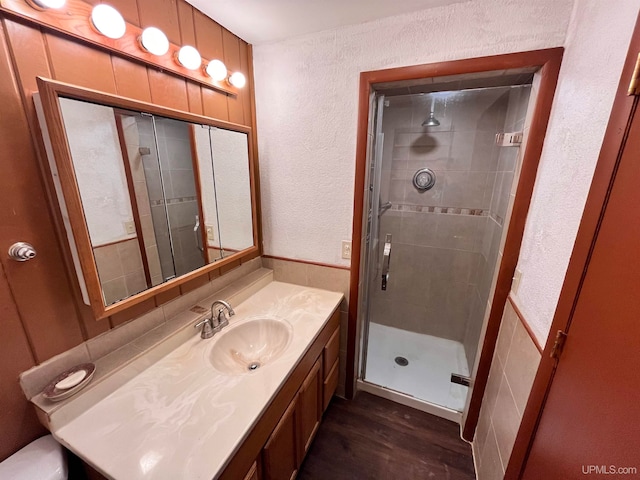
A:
180	418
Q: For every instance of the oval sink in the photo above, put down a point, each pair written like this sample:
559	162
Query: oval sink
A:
250	344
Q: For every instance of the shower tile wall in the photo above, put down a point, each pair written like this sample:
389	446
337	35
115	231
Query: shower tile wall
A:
180	189
134	141
437	258
502	194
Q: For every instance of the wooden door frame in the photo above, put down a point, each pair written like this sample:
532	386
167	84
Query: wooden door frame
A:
548	62
623	110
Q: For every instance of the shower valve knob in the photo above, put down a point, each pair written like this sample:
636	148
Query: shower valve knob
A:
21	252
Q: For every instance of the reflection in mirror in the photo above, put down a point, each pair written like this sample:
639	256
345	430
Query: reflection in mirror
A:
226	153
136	178
230	151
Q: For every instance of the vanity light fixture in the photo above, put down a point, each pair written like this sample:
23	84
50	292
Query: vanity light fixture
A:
45	4
216	70
154	41
237	79
189	57
108	21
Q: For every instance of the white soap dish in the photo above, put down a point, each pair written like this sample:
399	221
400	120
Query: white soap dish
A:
69	382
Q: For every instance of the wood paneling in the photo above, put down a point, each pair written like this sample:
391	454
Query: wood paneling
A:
79	64
208	36
162	14
231	45
45	300
215	104
30	59
131	79
168	91
51	322
127	8
187	27
194	96
18	419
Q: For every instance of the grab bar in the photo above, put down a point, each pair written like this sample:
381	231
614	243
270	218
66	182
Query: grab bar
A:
386	261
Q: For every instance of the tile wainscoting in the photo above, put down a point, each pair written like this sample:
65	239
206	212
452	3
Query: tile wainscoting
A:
515	362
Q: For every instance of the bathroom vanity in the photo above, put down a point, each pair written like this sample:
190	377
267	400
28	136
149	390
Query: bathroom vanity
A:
201	412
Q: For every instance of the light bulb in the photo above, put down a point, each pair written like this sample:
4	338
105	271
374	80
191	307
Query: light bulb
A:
49	3
217	70
189	58
154	41
108	21
237	79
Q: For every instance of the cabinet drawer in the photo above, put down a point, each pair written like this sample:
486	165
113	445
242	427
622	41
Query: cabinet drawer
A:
331	350
330	385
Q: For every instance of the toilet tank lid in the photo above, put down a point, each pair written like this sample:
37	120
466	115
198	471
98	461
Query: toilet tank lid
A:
42	459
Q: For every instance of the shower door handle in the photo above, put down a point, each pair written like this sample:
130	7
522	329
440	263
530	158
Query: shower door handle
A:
196	234
386	260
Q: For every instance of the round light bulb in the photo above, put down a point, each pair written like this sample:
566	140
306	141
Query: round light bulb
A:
189	57
217	70
154	41
237	79
108	21
49	3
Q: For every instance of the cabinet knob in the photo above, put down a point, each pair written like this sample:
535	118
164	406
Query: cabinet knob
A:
21	252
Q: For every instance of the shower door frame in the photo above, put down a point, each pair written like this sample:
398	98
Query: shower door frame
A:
547	62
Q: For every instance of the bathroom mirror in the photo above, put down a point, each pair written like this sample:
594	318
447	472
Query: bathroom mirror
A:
151	197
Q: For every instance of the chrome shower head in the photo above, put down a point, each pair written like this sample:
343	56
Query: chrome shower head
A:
431	121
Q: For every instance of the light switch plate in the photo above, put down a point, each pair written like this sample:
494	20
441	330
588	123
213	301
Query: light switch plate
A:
130	227
346	249
517	276
211	233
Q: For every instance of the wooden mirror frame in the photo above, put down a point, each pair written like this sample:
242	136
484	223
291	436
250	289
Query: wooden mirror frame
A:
50	91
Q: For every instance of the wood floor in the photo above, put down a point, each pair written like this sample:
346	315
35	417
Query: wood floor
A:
374	438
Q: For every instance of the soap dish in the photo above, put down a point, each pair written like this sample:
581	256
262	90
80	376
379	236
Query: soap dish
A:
69	382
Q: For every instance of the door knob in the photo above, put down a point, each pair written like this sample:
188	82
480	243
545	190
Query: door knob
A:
21	252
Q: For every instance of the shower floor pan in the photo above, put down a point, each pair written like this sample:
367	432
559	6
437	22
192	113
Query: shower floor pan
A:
427	376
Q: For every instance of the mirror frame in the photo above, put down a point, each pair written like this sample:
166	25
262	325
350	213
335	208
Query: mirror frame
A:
50	91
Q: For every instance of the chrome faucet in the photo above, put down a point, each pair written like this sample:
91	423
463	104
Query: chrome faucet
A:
217	321
220	320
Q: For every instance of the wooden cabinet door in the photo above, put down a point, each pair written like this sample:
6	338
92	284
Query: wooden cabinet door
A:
280	454
309	408
252	474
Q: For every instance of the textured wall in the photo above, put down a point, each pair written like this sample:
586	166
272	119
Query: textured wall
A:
307	94
93	141
596	47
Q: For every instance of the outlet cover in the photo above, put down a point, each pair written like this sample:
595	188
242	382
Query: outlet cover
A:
346	249
130	227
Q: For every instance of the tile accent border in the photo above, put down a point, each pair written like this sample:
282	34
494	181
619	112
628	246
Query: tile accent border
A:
478	212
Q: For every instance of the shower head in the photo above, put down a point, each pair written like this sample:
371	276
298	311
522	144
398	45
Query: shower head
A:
431	121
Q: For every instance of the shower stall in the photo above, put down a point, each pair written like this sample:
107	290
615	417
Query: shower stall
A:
441	179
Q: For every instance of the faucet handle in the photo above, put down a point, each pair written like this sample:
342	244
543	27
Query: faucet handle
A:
207	328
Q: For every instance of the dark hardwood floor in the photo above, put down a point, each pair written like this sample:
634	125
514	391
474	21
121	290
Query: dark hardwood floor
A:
374	438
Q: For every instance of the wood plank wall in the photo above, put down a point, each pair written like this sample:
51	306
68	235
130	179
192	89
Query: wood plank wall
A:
42	313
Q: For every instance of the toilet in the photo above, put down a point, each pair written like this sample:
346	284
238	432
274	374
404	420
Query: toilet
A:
42	459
